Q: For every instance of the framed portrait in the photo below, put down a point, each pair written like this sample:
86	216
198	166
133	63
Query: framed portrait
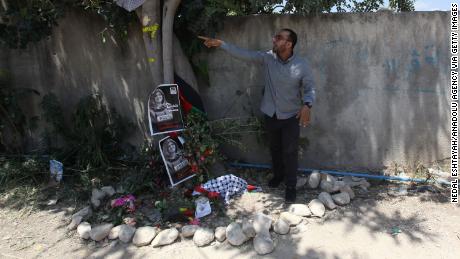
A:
177	165
164	110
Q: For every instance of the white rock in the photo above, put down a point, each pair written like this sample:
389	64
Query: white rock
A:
327	186
97	194
144	235
326	199
364	185
165	237
108	190
341	198
126	233
314	179
348	190
338	185
114	232
301	181
235	235
263	243
85	213
203	236
248	228
299	210
290	218
317	208
281	227
328	178
83	230
262	222
96	203
219	233
189	230
74	222
100	232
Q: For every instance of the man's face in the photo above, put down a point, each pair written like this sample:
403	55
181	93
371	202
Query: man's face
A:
158	97
281	42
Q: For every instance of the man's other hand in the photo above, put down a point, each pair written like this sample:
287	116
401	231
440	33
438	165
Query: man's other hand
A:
304	115
211	43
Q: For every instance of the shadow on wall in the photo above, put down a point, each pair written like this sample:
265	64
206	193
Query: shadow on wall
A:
380	81
75	63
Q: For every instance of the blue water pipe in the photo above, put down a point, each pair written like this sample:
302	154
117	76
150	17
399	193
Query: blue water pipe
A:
357	174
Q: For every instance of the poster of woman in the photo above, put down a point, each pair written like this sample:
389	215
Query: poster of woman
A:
165	114
177	165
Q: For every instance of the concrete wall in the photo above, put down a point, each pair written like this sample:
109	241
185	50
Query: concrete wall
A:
382	85
74	62
382	81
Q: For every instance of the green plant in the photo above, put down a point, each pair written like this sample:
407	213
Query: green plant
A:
13	120
200	146
92	137
231	130
15	171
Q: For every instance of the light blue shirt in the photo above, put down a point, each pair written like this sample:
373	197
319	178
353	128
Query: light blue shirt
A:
284	81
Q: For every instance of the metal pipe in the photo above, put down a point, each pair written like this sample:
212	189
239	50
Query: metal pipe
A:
357	174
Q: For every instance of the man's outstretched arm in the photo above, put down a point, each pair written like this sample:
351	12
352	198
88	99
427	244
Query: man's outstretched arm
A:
244	54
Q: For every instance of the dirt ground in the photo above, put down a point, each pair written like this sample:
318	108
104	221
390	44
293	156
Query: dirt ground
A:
374	225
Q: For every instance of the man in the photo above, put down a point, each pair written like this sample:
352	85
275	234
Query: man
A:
284	107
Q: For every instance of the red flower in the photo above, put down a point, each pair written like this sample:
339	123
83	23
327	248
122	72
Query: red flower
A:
194	168
213	195
202	158
173	134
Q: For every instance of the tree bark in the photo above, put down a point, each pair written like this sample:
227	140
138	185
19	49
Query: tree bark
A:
169	11
150	18
182	66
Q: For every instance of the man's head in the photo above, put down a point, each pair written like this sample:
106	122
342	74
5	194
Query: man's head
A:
284	40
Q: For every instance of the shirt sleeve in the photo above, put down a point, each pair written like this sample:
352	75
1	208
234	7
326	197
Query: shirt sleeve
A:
308	85
244	54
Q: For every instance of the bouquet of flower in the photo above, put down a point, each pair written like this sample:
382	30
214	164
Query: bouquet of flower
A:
126	202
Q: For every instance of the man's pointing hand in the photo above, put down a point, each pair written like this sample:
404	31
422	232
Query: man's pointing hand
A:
210	43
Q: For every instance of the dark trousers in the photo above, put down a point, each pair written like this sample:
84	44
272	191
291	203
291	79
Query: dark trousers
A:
283	136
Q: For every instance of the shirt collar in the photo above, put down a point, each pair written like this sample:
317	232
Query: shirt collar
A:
288	60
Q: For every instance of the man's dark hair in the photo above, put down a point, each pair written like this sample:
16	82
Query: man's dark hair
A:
292	36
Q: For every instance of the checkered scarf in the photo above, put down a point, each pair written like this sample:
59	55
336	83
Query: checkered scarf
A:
227	185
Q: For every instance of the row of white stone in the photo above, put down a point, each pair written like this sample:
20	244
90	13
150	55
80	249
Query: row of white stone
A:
257	228
236	234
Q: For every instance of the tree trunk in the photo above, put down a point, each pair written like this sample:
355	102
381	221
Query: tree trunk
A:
150	18
169	11
178	63
182	66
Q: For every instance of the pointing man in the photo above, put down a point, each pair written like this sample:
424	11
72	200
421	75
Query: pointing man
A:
286	77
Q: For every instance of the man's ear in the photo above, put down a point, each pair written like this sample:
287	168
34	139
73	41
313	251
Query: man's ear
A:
289	44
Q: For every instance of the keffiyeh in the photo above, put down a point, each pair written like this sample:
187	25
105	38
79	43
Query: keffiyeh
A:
227	185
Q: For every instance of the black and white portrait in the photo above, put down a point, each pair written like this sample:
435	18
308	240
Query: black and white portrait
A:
160	110
164	110
177	165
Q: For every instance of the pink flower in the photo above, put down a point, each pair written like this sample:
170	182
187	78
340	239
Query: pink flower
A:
195	221
125	200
